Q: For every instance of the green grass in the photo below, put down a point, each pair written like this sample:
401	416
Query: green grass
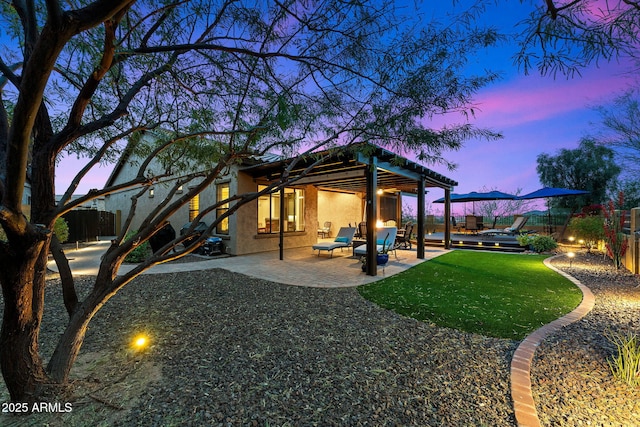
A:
493	294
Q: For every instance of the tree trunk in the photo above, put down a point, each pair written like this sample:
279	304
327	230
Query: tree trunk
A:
69	295
22	367
70	342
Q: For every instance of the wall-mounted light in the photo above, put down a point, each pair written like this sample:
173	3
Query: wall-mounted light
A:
380	191
152	192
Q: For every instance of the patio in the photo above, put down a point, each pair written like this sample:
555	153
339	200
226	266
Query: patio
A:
300	267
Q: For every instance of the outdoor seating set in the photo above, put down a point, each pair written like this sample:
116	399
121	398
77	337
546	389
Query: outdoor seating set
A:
388	239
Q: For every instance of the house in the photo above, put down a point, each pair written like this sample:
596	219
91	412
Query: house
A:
335	190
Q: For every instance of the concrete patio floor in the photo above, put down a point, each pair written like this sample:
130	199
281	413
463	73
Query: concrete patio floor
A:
300	267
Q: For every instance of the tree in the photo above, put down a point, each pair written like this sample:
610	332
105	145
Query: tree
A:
589	167
621	123
631	190
213	81
567	35
501	208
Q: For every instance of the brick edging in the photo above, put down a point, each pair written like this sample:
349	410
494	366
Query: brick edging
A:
523	404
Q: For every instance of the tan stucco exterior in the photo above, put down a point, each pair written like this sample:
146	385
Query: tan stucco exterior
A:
243	236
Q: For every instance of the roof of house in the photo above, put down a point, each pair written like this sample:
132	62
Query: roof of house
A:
341	169
344	168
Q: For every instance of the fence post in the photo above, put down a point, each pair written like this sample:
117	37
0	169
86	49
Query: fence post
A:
634	243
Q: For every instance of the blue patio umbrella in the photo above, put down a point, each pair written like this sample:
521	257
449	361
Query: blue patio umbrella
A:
546	192
475	196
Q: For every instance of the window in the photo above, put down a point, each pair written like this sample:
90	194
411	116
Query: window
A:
222	193
269	211
194	207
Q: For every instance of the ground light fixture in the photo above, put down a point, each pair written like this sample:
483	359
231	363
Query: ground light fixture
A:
140	342
571	239
571	255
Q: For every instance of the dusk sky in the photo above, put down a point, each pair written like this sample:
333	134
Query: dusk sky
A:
536	114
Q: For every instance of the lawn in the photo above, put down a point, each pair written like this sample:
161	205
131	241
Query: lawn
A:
493	294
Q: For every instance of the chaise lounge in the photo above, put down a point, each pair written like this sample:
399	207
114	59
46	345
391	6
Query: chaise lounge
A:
342	240
515	228
385	241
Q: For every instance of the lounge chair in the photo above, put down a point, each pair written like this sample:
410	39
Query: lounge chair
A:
385	241
342	240
515	228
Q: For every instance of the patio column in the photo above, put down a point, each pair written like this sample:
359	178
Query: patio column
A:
420	232
447	218
281	234
372	209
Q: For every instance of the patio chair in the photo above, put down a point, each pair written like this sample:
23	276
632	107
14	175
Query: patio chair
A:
404	236
385	241
515	228
325	230
362	230
471	223
454	224
342	240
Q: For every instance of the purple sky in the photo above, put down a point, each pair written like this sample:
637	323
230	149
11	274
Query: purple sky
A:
536	115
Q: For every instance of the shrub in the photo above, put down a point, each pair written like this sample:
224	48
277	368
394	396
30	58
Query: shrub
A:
61	229
588	228
625	365
525	239
537	242
543	243
139	253
616	240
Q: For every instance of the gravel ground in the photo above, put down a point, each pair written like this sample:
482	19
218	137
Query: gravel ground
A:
233	351
571	381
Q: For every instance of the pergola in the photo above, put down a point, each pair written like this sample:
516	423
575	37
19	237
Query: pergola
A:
364	168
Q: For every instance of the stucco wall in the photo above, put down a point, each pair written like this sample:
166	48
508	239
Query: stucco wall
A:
121	201
243	237
247	239
341	209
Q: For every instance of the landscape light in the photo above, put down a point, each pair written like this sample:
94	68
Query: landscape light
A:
571	239
140	342
570	255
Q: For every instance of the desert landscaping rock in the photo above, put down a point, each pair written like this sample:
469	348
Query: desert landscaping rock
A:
230	350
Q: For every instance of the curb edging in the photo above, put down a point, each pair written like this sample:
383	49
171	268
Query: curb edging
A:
523	403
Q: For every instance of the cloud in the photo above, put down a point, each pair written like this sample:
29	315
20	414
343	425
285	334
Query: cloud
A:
527	99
